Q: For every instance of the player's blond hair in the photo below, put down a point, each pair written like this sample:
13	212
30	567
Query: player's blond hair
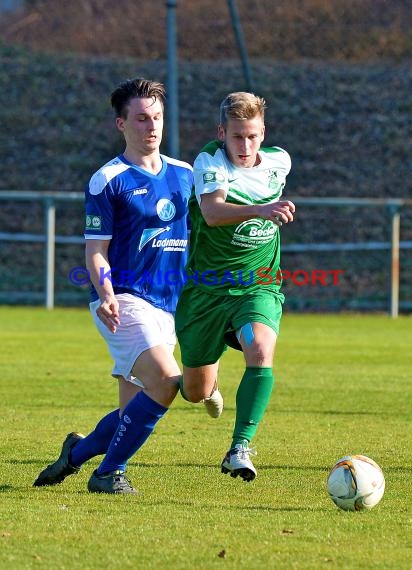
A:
241	105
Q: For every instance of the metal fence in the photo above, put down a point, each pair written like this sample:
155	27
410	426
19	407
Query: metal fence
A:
378	270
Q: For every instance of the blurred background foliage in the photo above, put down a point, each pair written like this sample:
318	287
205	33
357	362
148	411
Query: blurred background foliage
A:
336	74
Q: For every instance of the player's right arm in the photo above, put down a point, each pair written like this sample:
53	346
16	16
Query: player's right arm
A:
98	266
211	176
217	212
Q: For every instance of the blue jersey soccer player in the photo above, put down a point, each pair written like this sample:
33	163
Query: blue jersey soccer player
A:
136	242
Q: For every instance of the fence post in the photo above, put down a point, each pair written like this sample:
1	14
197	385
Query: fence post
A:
237	28
50	231
172	80
395	238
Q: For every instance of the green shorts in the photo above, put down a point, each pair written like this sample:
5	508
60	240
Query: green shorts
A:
206	324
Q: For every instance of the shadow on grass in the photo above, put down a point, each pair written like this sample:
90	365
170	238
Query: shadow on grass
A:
149	465
217	466
104	498
198	409
251	508
333	412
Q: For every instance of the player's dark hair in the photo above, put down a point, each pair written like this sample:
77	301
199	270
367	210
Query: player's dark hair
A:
137	87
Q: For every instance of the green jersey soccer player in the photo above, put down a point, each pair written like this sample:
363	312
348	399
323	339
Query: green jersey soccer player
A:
232	293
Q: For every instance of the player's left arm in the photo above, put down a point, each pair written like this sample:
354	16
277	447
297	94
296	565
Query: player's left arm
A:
97	264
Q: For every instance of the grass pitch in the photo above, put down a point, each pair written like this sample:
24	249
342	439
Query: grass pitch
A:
343	386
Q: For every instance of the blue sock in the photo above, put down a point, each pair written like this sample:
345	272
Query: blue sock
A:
136	424
97	442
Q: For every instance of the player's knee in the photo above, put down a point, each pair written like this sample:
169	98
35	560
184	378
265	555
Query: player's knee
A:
163	392
164	387
194	393
259	354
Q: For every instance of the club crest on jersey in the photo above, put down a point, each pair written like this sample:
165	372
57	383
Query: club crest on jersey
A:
165	209
273	179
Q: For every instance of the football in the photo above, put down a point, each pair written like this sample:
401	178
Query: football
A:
356	483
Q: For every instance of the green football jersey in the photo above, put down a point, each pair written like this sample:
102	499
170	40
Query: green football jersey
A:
240	258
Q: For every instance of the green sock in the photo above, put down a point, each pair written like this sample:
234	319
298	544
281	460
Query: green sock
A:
252	399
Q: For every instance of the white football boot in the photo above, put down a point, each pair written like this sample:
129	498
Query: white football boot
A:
237	462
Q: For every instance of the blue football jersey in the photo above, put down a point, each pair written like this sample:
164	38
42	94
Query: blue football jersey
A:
145	217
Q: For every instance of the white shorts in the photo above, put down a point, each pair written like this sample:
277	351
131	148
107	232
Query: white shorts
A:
142	326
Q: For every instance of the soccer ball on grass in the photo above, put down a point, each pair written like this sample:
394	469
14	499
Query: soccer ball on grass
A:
356	483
